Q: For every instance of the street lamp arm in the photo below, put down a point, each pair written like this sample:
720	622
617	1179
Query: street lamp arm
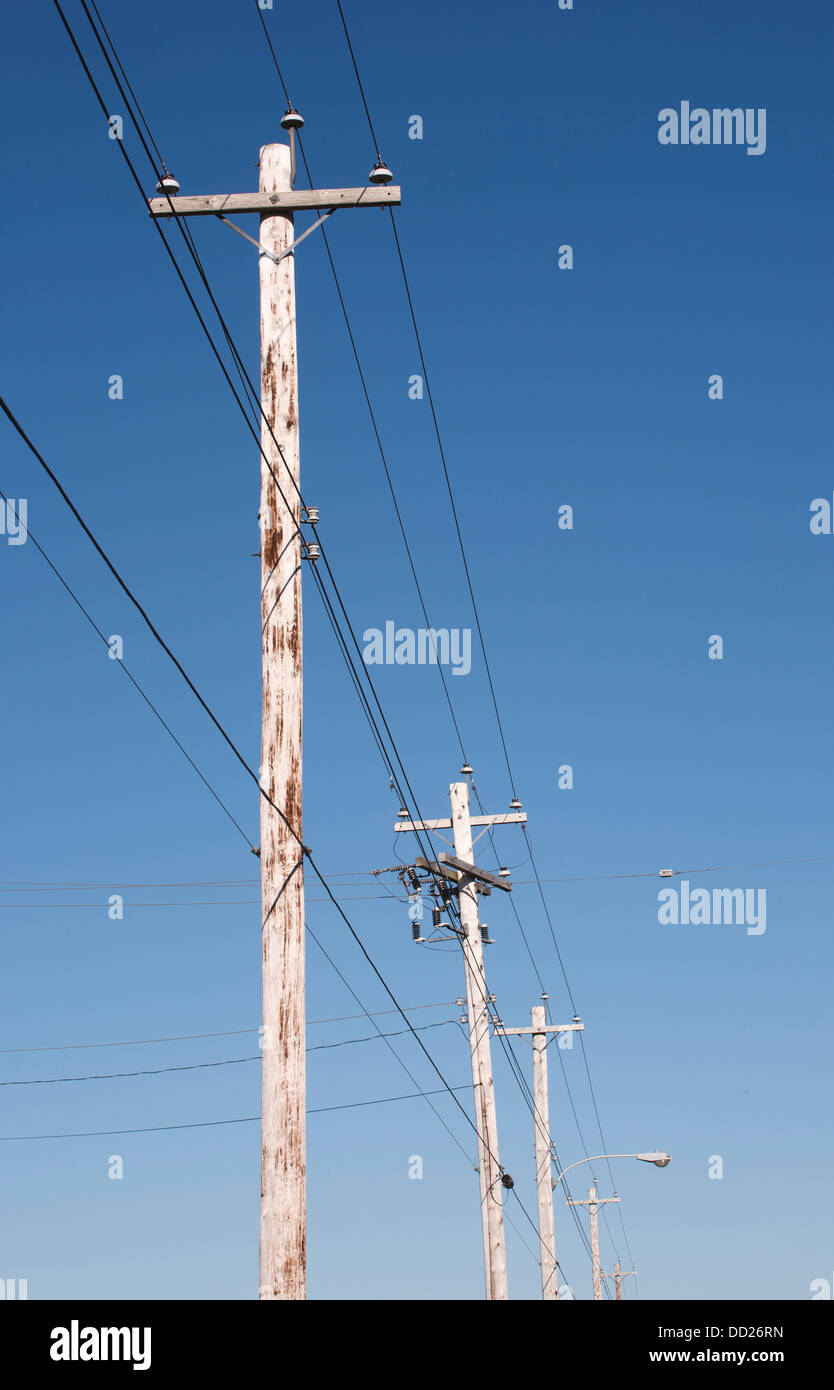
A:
595	1158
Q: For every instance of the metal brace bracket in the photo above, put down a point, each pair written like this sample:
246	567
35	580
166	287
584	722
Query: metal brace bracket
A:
263	249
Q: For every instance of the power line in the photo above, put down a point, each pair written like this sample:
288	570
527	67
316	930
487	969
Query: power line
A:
401	1033
209	902
151	706
399	518
465	562
118	1075
242	373
147	620
135	602
240	757
199	1066
368	402
9	885
207	1124
358	78
370	407
332	579
227	1033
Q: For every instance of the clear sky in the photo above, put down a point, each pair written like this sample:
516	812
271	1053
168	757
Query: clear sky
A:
586	387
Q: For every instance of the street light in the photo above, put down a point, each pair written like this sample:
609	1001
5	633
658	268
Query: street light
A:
660	1160
593	1203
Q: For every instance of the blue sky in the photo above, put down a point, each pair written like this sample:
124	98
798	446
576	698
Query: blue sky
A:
585	387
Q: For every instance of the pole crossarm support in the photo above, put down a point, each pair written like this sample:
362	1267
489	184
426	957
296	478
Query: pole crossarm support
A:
431	866
288	200
460	872
548	1028
474	871
264	250
590	1201
504	818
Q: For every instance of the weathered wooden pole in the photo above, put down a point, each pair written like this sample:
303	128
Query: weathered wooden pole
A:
544	1175
593	1203
283	1242
466	875
477	1001
539	1030
595	1265
283	1239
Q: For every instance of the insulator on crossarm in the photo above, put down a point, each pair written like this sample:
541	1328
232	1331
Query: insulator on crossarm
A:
380	173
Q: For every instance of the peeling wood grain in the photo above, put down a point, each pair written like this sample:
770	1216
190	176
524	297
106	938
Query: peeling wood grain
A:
283	1156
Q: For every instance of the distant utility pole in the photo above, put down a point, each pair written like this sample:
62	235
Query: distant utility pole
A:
593	1204
283	1227
618	1276
470	880
544	1147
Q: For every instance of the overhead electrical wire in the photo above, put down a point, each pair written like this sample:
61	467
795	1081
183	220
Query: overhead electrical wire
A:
387	471
192	251
151	706
208	902
230	340
335	623
323	882
367	396
226	1033
227	738
224	1062
304	850
379	442
10	885
470	586
209	1124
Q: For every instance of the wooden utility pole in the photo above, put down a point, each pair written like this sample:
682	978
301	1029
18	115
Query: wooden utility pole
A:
283	1126
478	1015
593	1204
462	870
544	1147
618	1276
283	1224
